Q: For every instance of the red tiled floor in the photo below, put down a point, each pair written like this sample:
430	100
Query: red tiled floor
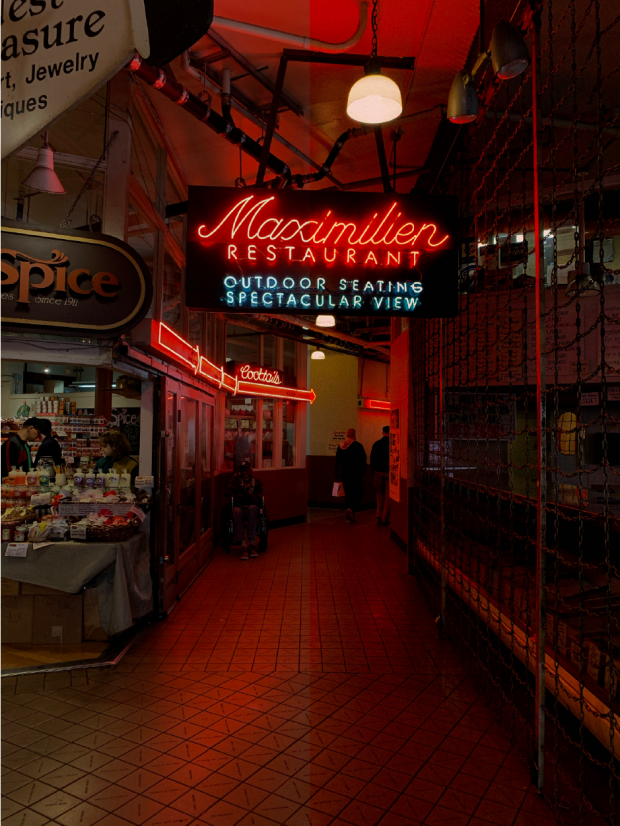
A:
307	688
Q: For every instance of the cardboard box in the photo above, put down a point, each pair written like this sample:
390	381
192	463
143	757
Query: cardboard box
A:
9	587
92	618
17	619
41	590
57	620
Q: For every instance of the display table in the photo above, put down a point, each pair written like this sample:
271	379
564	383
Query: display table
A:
121	572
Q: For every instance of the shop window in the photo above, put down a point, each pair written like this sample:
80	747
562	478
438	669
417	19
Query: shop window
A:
240	431
288	433
187	489
267	435
289	363
144	158
241	345
171	304
195	328
206	418
269	352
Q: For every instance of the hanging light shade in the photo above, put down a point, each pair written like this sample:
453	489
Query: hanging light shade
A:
583	284
463	100
374	98
325	321
509	54
318	355
43	178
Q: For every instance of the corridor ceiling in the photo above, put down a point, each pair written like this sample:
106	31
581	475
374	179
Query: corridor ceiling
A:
437	33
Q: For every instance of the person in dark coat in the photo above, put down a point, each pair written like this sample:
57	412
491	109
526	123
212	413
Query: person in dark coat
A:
16	451
246	492
351	465
49	447
380	466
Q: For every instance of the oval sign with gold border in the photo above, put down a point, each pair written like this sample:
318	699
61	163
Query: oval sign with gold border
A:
65	280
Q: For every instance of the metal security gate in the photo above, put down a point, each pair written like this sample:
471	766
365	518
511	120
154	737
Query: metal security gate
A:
516	499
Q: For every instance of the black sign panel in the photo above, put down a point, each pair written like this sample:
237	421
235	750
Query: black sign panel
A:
68	281
341	253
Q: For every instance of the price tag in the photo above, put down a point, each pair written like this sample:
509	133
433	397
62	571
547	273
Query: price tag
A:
145	481
41	499
16	549
138	512
78	532
613	394
589	399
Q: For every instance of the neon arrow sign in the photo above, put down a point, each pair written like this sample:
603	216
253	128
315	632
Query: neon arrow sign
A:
174	346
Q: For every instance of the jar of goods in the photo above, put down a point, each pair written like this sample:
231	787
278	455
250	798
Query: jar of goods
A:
19	534
8	529
21	492
32	477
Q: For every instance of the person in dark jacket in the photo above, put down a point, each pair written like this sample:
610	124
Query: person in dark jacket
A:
246	492
380	466
16	451
49	447
351	465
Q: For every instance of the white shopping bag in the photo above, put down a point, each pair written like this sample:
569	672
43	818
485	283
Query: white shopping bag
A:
337	489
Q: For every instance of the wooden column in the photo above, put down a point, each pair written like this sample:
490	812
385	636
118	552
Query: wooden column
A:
103	392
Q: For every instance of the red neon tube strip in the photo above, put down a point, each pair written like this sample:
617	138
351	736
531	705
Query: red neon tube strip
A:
376	404
171	342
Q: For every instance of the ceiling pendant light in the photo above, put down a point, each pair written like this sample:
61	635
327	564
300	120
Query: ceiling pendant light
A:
325	321
509	54
583	284
318	355
43	178
374	98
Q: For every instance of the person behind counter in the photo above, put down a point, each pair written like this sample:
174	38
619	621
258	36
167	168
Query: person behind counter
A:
15	451
49	447
115	449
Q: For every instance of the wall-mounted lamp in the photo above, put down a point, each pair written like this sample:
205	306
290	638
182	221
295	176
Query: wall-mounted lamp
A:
318	355
509	56
325	321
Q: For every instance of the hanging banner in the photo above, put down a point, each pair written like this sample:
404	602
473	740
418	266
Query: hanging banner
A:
342	253
68	280
55	54
394	478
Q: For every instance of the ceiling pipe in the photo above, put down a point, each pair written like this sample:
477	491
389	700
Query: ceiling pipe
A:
203	112
296	39
304	322
194	72
559	123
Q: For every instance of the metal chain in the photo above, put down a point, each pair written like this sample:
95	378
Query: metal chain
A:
88	181
374	28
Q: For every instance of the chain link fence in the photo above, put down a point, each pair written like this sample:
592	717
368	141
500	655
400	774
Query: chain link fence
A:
516	499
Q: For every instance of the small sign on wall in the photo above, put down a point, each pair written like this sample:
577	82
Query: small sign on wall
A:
395	455
337	438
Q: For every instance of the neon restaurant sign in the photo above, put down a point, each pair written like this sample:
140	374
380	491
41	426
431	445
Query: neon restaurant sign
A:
345	253
249	380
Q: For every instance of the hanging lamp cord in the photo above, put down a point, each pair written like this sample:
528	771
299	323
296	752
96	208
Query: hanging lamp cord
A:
88	181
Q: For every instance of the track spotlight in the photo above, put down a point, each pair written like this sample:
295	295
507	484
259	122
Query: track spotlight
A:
463	100
325	321
509	54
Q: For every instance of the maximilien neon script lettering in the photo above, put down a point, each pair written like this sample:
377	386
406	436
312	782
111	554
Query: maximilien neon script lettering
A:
249	220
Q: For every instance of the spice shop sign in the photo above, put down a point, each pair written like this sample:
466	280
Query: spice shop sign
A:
71	281
314	252
57	52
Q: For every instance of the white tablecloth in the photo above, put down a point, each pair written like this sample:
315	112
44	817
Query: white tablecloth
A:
121	571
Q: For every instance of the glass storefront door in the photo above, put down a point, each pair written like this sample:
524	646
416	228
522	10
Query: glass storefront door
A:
185	536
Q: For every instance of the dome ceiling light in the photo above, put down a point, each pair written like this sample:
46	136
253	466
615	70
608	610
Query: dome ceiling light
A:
374	98
318	355
325	321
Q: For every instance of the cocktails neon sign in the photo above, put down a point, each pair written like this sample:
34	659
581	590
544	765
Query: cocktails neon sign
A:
316	251
260	382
